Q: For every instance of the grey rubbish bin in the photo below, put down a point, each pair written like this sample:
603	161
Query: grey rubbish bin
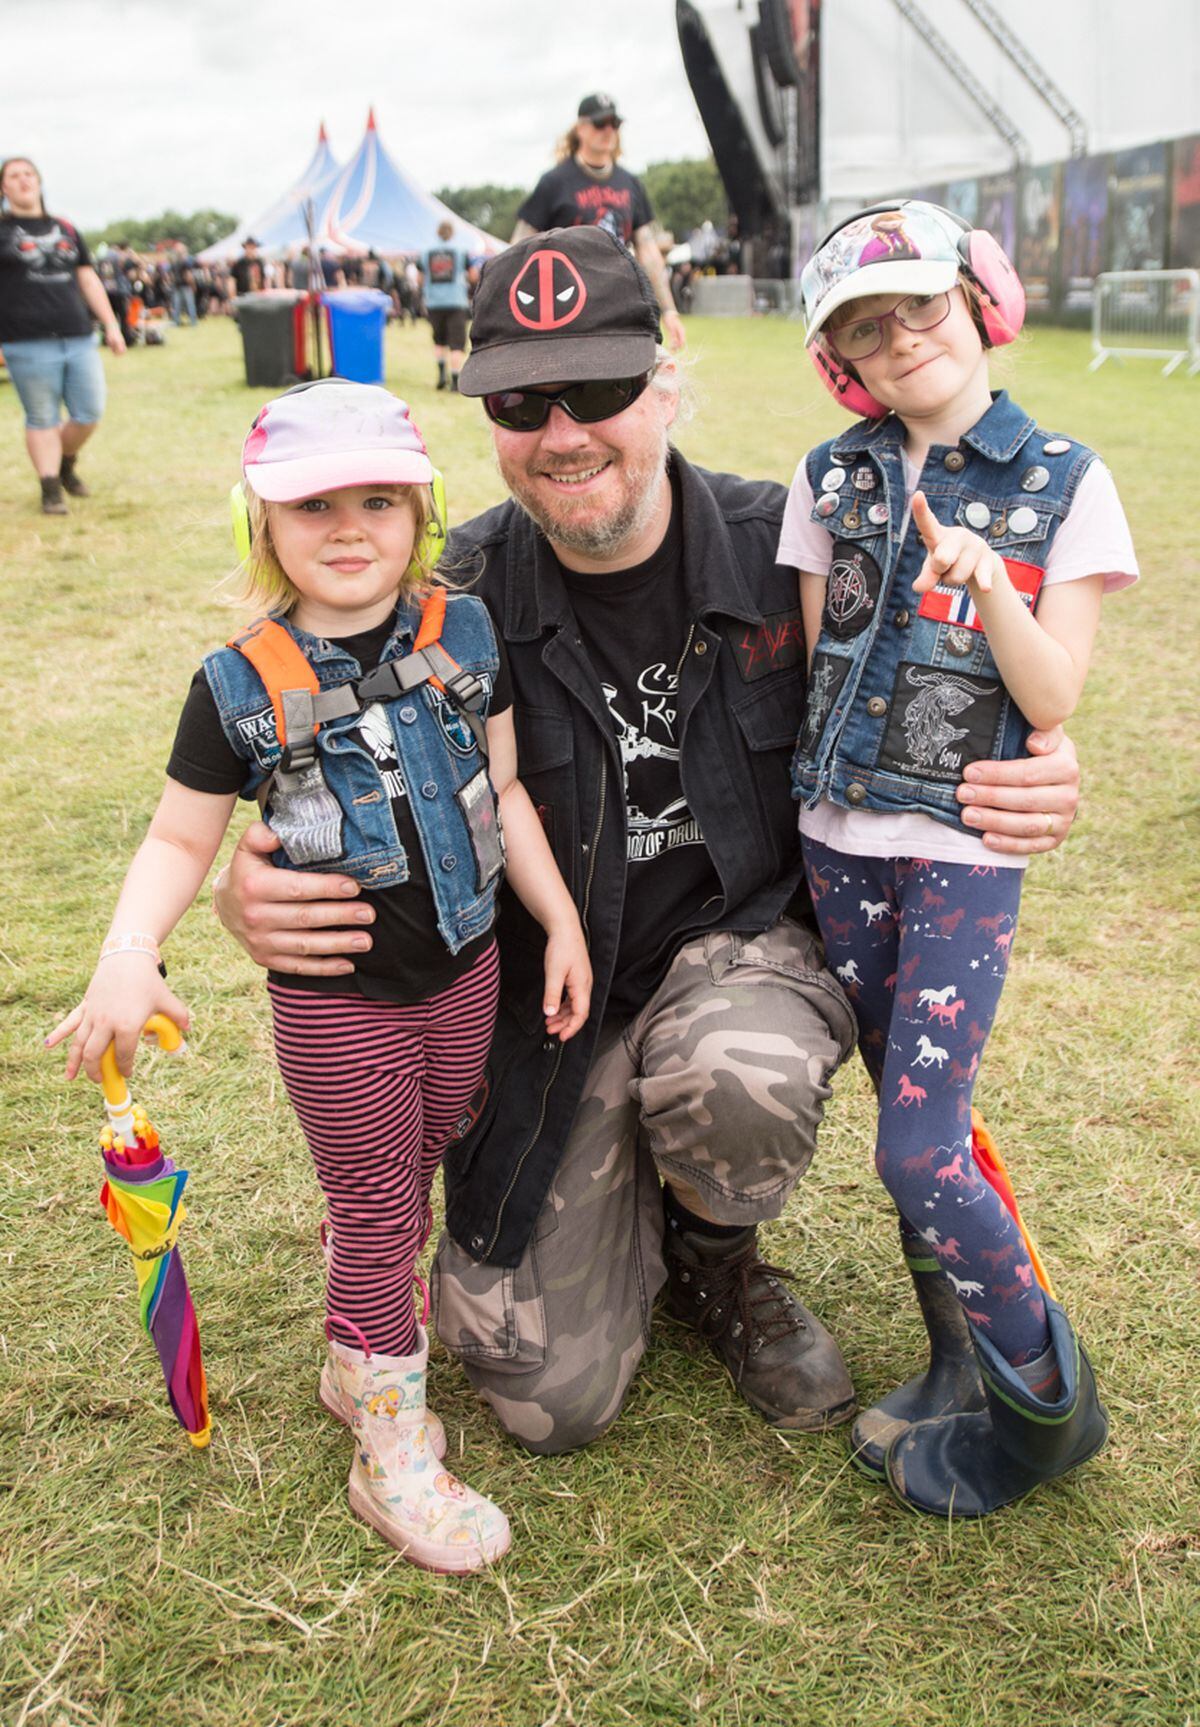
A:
272	336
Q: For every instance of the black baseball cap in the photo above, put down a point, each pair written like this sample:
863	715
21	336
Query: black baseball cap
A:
560	308
599	107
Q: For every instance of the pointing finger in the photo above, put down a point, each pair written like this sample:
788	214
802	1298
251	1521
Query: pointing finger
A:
927	524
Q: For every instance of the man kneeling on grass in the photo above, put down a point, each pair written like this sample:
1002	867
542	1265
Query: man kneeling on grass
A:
657	662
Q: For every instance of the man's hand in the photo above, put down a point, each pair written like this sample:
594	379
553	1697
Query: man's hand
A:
1027	805
285	919
674	331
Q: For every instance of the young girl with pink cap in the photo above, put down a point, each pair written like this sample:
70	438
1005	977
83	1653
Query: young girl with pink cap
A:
370	714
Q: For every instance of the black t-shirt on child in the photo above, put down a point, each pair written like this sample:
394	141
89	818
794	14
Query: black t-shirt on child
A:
39	290
408	960
635	628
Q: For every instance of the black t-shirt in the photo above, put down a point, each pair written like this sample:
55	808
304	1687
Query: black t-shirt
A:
408	960
247	275
569	197
39	290
635	628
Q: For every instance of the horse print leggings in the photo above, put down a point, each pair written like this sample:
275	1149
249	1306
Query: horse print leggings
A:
378	1088
921	949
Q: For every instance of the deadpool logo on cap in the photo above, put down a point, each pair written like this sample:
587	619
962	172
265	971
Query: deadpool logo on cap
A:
548	293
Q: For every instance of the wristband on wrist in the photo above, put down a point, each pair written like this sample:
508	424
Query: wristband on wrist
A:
133	941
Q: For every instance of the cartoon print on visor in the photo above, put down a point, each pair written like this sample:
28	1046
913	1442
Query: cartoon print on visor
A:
548	293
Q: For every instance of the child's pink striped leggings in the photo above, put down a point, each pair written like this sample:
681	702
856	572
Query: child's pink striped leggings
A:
378	1088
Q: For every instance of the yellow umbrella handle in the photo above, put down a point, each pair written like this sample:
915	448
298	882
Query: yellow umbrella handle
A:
112	1080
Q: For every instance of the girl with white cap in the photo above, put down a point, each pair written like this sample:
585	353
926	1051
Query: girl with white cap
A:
370	714
953	557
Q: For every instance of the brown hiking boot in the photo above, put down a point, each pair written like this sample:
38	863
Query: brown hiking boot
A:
779	1355
71	483
53	502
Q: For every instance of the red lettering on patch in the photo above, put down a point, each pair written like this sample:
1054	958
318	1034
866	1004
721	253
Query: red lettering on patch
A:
772	646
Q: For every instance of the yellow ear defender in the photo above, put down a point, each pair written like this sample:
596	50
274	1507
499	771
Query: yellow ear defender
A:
426	552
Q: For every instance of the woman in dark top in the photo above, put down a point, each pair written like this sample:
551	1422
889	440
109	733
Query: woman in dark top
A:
49	295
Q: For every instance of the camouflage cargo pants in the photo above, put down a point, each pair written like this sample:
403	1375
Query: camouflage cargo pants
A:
718	1084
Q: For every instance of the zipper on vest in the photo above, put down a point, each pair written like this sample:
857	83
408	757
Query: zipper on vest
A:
587	898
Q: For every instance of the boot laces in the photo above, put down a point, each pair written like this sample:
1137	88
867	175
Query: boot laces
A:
757	1319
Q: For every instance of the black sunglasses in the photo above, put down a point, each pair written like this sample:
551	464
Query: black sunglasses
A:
597	399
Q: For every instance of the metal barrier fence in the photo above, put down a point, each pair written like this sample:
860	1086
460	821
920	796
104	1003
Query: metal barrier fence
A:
782	297
1147	314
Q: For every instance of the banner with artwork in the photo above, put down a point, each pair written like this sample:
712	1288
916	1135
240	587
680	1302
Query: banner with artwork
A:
998	210
962	196
1085	208
1137	208
1037	261
1185	205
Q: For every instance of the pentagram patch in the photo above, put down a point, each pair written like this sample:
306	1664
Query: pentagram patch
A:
851	590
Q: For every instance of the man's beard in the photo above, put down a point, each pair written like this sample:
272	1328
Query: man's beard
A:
595	538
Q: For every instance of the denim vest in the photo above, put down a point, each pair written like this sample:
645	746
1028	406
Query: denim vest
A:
903	691
449	794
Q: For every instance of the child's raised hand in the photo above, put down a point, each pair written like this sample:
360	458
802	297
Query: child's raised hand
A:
953	556
568	971
125	990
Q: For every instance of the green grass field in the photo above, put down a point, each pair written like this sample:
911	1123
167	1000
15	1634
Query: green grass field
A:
695	1566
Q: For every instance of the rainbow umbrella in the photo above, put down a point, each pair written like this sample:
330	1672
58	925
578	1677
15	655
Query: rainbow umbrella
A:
143	1198
990	1165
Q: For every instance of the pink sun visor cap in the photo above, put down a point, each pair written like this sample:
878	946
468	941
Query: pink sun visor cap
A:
912	249
324	436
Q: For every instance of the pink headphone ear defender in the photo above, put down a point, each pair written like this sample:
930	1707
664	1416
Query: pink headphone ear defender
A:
1002	311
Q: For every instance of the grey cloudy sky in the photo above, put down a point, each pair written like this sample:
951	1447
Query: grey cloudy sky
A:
128	106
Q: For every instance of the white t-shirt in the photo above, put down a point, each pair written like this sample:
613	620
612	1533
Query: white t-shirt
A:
1093	536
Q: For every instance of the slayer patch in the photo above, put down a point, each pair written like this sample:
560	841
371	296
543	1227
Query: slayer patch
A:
772	646
940	720
851	590
825	680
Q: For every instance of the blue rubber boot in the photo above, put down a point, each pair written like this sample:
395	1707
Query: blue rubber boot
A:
971	1465
950	1384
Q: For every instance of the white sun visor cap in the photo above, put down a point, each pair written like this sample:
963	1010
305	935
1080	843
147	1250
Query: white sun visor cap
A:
912	249
331	434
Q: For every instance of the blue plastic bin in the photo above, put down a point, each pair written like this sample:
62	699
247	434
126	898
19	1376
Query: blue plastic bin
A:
357	319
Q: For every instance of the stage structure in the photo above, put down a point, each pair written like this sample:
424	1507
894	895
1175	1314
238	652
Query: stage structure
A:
1073	134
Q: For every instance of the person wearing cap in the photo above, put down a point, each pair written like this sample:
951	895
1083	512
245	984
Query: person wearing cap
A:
587	186
247	271
658	673
370	712
954	557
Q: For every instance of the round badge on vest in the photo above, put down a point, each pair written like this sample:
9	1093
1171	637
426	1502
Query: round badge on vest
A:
1023	520
978	515
1035	479
1056	447
833	478
827	503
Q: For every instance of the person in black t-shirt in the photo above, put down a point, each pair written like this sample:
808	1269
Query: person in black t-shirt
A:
587	187
401	770
247	272
49	295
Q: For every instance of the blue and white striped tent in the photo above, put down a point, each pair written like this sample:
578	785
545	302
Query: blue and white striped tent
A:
282	227
374	206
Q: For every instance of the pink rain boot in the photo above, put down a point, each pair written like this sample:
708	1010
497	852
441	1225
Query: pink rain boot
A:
327	1391
397	1485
